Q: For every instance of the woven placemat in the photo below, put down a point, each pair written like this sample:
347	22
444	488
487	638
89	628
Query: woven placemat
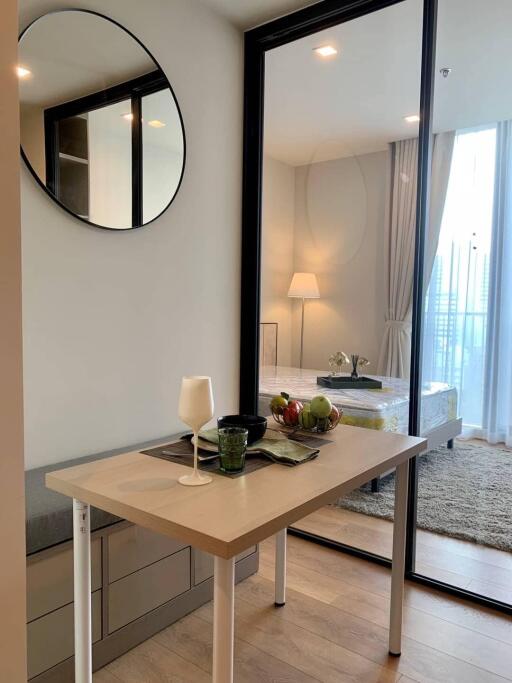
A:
183	454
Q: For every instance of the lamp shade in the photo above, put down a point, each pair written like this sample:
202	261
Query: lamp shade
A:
304	286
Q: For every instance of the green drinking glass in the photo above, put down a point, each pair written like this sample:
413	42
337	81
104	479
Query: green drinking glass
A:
232	449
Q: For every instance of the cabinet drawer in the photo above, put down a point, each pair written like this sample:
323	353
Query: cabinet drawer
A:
50	579
50	638
143	591
203	563
134	547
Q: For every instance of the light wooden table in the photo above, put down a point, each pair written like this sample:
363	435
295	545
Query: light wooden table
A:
230	515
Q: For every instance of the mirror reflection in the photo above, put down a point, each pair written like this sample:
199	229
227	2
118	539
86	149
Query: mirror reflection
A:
100	127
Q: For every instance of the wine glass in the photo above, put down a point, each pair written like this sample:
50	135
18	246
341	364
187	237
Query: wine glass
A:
195	410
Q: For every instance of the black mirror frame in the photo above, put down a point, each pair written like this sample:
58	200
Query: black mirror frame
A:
157	67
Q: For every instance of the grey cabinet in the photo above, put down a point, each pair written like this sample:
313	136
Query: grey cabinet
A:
137	576
50	579
134	547
50	638
148	588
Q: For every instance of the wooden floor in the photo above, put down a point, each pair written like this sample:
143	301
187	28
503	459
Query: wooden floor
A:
333	629
460	563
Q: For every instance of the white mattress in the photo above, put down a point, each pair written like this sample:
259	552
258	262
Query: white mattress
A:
386	409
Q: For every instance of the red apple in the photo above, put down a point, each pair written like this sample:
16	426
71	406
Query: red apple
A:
296	404
291	414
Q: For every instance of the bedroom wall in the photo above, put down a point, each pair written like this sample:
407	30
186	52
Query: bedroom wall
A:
112	320
340	209
278	211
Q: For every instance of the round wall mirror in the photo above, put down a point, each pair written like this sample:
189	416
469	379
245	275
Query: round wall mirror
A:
101	130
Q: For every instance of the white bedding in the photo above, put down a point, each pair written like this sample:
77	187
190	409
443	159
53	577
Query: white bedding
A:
386	409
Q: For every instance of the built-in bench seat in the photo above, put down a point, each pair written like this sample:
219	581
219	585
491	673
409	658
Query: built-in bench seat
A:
141	581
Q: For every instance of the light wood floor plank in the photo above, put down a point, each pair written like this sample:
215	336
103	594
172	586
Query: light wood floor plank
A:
152	663
375	606
333	629
418	660
105	676
441	557
192	639
310	653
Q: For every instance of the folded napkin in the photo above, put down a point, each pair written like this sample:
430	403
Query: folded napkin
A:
278	448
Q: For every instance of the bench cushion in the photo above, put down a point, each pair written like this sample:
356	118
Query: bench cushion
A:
49	515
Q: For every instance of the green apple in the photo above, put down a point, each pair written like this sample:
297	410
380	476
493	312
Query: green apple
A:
321	406
306	418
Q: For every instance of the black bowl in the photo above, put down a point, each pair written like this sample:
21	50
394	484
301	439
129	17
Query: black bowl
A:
256	426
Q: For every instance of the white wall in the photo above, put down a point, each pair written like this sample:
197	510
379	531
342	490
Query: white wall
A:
278	212
112	320
340	209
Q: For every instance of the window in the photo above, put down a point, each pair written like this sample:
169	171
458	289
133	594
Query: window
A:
457	298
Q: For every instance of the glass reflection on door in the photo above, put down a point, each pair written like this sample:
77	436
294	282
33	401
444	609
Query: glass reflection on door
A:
340	151
464	501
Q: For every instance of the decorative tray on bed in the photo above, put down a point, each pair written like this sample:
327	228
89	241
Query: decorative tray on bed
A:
348	382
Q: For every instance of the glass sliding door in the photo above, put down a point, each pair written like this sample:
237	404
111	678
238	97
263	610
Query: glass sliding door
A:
464	503
338	238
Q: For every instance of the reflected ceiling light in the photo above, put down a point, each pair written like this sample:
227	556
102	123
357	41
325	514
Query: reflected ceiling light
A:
155	123
326	51
22	72
128	116
414	118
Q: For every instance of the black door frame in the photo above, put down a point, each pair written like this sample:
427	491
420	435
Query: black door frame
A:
287	29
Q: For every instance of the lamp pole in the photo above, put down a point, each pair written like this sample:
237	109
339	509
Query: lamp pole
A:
302	334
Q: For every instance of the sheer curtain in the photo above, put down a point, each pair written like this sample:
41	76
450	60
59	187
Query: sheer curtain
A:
468	312
497	416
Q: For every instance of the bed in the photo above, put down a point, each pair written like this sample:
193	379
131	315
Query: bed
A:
386	409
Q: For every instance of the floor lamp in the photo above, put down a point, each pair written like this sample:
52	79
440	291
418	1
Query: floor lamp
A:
303	286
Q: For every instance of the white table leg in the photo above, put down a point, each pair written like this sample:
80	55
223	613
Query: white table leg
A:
398	561
82	584
223	619
280	568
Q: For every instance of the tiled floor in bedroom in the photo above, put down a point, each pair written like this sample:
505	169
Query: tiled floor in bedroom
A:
332	629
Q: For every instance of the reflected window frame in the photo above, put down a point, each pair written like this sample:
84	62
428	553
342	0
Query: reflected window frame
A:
133	90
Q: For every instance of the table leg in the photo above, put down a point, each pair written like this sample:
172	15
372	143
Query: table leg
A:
280	568
223	619
82	587
398	562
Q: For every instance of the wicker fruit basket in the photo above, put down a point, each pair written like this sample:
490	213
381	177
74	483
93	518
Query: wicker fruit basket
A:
294	415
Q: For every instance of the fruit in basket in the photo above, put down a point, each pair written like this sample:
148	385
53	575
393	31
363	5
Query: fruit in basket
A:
291	413
334	415
321	406
306	418
279	403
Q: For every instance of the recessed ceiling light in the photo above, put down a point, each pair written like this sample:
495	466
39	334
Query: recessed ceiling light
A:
128	116
414	118
326	51
22	72
155	123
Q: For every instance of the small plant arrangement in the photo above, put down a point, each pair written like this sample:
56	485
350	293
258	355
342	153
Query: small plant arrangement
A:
340	358
319	415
